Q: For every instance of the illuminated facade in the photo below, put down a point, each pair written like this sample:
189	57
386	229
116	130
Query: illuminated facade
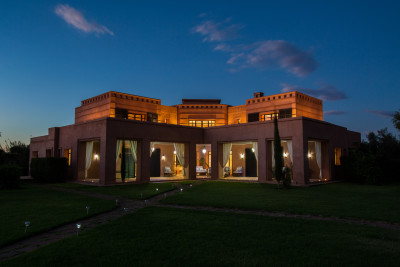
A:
122	137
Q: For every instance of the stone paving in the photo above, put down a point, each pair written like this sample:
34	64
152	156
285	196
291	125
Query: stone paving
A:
126	206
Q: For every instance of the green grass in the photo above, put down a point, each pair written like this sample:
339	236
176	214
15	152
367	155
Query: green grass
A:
44	208
172	237
341	199
132	191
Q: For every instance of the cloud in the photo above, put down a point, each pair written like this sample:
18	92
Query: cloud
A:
381	113
217	31
334	112
223	47
277	53
263	54
326	92
72	16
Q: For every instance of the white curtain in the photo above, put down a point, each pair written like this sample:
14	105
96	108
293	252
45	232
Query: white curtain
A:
273	154
226	150
255	147
118	151
133	145
151	147
318	156
180	154
89	152
290	149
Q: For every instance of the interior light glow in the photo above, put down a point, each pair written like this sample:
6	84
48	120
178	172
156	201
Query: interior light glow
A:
309	155
96	156
204	151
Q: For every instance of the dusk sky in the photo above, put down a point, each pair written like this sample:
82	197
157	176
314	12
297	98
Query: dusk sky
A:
55	54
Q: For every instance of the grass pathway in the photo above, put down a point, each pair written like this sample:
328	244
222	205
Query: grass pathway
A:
126	206
380	224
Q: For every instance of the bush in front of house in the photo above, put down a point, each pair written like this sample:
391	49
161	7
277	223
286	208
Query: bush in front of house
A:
9	176
49	170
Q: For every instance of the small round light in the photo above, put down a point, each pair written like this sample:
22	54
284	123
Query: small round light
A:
204	151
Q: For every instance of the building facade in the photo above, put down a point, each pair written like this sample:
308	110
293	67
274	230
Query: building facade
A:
120	137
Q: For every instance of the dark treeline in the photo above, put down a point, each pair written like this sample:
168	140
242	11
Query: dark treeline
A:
15	153
376	160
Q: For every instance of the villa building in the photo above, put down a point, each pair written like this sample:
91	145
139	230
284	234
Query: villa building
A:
122	137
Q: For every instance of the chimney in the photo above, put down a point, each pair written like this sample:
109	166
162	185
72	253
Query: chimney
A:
258	94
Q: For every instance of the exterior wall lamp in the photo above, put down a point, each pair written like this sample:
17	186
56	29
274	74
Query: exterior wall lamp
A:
163	157
96	156
204	151
309	155
241	155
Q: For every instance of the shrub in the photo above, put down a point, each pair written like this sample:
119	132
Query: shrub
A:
49	169
374	161
9	176
287	178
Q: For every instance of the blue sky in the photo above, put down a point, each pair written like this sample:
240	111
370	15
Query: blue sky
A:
55	54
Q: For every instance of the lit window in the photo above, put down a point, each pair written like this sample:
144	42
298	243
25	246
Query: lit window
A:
267	117
137	117
338	154
67	155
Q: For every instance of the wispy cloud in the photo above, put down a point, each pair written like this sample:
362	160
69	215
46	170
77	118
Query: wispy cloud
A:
263	54
381	113
75	18
334	112
217	31
326	92
277	53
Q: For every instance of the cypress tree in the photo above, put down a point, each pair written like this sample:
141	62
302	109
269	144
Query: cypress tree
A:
278	155
123	164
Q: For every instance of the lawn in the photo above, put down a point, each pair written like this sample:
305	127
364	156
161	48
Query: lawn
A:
132	191
341	199
172	237
44	208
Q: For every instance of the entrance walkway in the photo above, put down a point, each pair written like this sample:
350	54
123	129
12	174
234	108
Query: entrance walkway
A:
167	179
240	178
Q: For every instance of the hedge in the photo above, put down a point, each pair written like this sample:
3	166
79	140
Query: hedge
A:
9	176
49	169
